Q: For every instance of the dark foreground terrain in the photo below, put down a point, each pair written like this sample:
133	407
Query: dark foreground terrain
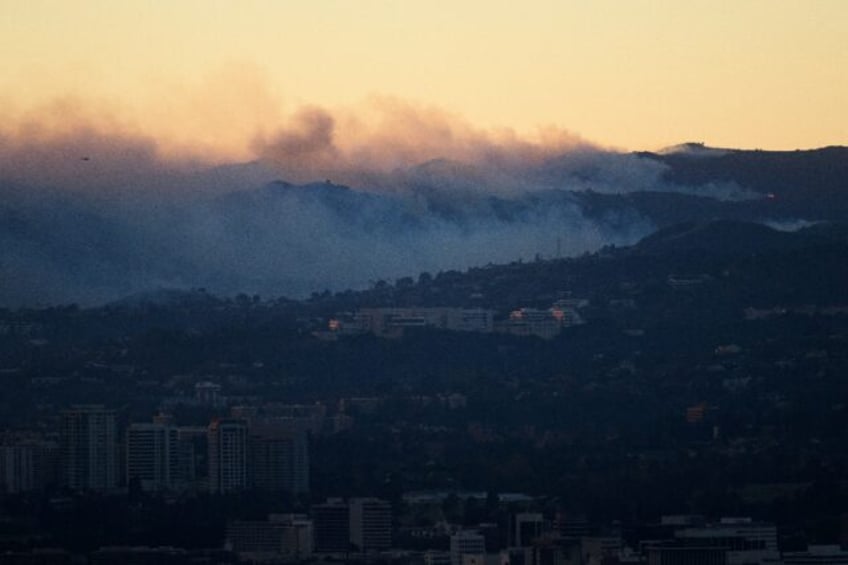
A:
704	374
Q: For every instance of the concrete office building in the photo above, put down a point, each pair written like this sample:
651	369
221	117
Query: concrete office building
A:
744	540
524	528
817	555
466	542
152	456
332	526
370	524
88	444
279	458
228	446
282	537
192	472
27	463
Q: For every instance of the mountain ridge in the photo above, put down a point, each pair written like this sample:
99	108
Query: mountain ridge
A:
285	238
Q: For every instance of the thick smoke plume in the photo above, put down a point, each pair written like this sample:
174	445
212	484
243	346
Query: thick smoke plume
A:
386	135
94	208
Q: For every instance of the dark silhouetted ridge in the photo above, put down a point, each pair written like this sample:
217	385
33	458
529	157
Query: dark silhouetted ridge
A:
724	237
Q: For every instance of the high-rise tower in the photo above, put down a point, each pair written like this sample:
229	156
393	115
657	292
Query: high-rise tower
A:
88	437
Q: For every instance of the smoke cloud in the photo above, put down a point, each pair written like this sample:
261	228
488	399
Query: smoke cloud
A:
95	207
385	135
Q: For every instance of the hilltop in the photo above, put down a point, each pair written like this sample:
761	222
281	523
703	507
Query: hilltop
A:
280	238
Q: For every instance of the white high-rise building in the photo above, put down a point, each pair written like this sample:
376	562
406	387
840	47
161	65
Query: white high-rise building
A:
88	438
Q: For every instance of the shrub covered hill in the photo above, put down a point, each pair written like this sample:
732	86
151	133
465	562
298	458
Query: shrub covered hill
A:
811	184
704	269
739	264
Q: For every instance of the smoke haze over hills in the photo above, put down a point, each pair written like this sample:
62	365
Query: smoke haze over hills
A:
94	209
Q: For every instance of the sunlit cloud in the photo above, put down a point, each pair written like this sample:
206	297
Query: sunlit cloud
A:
234	116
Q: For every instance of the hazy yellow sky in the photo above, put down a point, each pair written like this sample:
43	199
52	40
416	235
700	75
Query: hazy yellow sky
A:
632	74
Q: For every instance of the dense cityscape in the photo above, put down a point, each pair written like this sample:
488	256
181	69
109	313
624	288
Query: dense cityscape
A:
382	282
637	405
